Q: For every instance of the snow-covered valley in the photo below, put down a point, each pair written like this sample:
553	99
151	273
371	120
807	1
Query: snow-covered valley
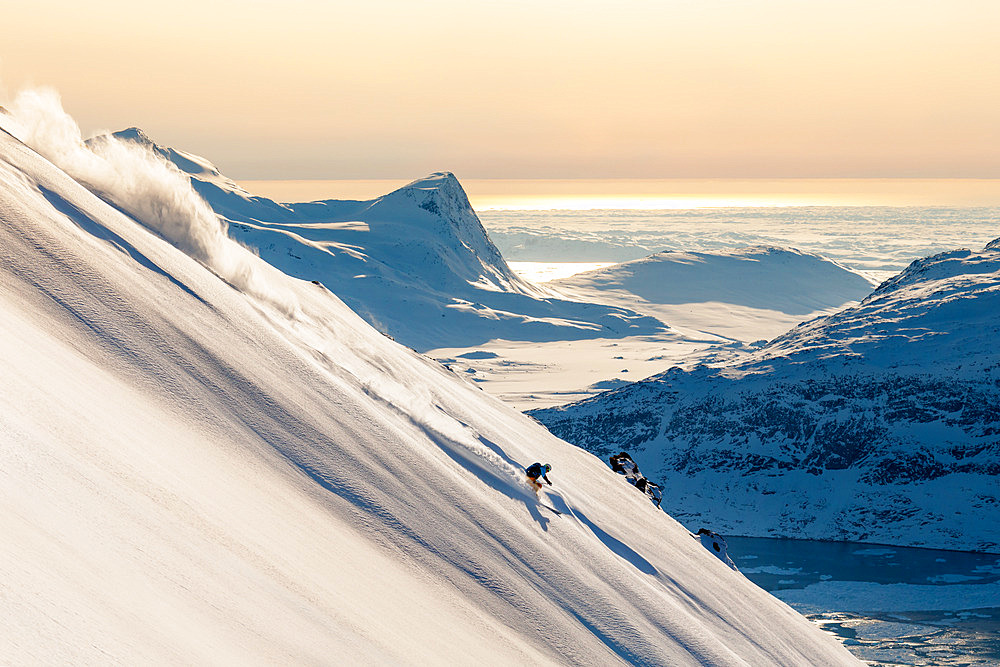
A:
206	460
713	305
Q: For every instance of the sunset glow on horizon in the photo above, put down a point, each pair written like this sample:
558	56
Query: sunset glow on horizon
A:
662	194
558	89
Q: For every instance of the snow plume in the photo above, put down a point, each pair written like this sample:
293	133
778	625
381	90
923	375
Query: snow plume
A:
144	185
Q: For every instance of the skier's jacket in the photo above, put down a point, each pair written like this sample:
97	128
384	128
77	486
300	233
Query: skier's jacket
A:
534	471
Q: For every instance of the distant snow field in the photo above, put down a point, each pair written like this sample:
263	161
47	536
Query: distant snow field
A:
541	272
508	285
873	243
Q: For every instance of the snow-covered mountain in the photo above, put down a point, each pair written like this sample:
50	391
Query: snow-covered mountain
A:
880	423
747	294
203	460
415	263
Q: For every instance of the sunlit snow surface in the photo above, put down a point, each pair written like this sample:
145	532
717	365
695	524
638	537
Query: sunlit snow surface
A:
543	272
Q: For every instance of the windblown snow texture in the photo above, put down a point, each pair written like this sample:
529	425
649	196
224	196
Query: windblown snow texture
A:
880	423
193	472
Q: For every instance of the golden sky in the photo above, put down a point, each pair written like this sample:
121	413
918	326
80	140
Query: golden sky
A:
530	89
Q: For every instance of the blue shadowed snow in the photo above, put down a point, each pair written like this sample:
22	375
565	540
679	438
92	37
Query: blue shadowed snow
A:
478	354
609	541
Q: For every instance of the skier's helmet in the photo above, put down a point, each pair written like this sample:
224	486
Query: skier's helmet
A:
547	467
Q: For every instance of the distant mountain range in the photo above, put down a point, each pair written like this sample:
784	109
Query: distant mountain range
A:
880	423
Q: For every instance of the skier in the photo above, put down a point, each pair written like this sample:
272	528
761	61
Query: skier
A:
716	544
536	470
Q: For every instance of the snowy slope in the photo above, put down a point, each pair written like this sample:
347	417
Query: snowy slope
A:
880	423
415	263
747	294
205	461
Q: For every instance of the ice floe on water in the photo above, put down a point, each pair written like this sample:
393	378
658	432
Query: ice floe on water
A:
951	578
889	553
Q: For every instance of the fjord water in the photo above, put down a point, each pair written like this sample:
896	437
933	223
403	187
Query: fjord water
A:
889	605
